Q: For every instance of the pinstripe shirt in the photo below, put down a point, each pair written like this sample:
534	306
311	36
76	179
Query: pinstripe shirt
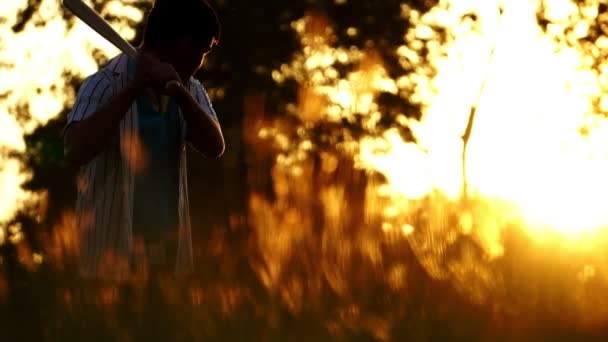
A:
104	206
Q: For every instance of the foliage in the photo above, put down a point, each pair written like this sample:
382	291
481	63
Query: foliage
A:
583	27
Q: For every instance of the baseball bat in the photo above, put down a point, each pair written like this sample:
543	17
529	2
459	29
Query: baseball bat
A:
101	26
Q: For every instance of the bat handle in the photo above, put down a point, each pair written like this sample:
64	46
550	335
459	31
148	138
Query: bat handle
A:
164	101
172	83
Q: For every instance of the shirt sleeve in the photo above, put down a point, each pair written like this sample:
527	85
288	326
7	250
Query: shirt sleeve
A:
203	99
94	92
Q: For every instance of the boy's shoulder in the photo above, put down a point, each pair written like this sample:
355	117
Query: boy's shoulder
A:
111	72
117	64
113	68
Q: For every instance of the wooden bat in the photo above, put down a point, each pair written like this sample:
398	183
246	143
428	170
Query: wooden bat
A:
99	25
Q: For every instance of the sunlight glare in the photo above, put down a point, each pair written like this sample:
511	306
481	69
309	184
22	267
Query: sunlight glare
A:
526	147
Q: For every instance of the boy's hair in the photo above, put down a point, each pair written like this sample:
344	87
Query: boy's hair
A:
170	20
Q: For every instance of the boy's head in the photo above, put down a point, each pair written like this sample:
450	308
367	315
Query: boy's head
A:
184	31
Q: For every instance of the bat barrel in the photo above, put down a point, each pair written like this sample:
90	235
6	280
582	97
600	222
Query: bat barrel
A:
99	25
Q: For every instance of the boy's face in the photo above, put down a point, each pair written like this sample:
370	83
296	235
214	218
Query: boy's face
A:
187	56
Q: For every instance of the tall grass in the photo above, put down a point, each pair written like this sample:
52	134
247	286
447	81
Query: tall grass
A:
321	261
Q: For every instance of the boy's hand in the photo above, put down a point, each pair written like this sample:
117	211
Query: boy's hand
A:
162	77
144	64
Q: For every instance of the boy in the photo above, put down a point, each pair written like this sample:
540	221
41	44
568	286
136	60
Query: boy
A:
129	142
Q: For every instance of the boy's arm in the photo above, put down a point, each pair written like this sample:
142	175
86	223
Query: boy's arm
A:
203	130
98	113
90	129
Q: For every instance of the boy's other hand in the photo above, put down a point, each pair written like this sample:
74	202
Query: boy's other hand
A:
165	79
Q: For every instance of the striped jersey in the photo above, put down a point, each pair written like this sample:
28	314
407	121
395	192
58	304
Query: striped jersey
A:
105	185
